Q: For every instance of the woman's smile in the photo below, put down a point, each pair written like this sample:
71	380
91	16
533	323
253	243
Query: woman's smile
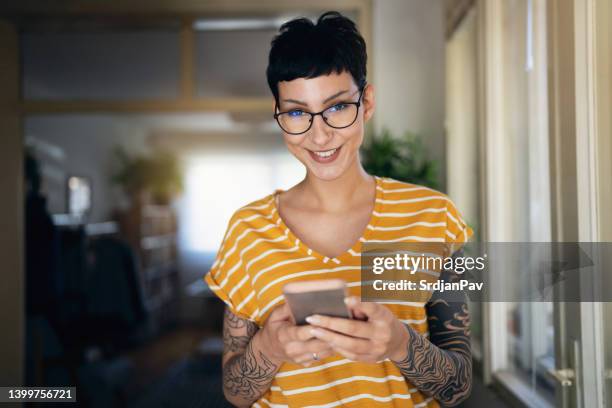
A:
325	156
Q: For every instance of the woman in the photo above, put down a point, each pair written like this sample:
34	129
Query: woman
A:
400	354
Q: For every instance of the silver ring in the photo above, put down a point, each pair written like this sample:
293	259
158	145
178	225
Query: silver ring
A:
315	357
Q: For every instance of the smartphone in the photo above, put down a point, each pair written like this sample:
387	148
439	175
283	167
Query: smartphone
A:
324	297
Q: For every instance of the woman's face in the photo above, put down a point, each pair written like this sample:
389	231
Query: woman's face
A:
325	151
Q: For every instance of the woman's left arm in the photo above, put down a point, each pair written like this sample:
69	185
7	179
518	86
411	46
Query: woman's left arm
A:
442	365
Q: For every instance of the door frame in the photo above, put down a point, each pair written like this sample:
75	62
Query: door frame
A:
11	211
580	131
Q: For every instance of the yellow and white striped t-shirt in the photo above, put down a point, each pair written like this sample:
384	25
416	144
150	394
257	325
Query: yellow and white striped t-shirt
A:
259	254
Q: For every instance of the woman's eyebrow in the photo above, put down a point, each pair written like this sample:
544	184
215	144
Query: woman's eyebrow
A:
337	94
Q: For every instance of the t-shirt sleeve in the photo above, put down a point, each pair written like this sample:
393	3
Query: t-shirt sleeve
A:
458	232
228	278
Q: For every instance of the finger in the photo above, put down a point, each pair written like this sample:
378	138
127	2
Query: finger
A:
350	354
358	314
372	310
349	327
308	358
316	346
357	345
280	313
299	333
296	348
303	333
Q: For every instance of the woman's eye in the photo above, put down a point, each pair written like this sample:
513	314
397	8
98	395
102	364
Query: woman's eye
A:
295	113
338	107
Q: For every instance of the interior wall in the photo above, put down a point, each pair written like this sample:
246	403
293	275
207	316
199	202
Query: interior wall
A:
409	58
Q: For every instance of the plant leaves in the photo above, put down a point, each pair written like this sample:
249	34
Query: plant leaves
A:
405	158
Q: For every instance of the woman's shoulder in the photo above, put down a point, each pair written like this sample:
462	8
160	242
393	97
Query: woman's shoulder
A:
398	189
404	201
263	206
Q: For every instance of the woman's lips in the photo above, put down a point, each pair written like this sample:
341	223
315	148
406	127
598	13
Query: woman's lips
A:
325	156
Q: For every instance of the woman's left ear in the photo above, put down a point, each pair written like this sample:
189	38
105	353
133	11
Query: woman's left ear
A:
368	102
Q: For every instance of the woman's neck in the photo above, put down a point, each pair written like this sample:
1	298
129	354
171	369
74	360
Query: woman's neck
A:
352	188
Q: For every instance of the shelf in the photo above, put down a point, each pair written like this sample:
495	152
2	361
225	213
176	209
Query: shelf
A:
161	270
157	211
157	241
152	232
159	300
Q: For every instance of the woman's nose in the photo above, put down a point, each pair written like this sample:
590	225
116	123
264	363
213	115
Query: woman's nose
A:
320	133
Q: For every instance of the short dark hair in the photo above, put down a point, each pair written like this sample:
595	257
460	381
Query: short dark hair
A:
303	49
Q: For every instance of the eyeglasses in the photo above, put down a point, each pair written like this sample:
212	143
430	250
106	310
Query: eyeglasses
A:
338	116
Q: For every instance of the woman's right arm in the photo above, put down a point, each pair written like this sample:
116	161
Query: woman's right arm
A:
247	371
253	356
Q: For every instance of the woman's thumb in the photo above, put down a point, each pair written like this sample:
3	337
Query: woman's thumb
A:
359	310
282	312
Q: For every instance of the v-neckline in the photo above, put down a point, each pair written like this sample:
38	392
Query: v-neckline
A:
354	249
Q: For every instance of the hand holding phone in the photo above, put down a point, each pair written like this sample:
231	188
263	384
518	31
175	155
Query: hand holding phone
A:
286	342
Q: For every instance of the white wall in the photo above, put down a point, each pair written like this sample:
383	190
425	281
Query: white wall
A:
408	54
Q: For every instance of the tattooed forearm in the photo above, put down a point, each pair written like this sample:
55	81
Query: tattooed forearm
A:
449	325
233	325
444	374
249	374
442	365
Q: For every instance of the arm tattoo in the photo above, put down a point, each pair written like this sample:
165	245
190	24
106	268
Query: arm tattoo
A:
442	366
246	376
247	372
232	326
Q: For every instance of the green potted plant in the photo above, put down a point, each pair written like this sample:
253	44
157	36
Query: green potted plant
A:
404	158
158	174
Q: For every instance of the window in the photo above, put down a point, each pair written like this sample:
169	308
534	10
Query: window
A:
521	334
217	184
